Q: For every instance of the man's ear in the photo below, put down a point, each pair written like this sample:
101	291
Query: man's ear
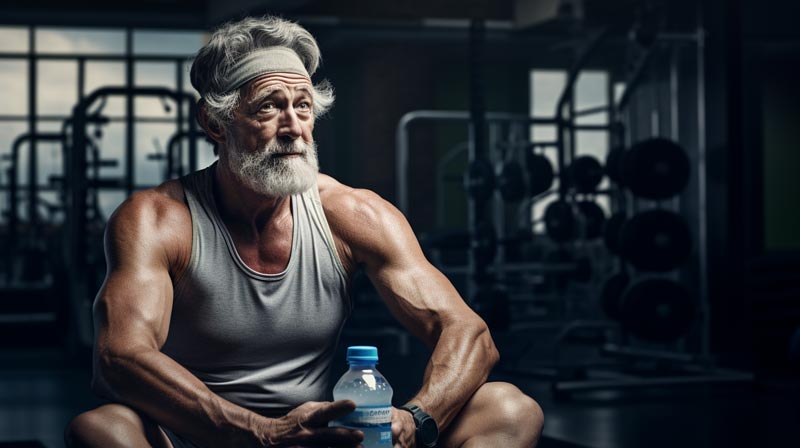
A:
210	126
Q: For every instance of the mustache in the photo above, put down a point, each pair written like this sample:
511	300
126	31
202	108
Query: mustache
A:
282	147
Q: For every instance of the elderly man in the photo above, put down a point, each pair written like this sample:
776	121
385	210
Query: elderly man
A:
227	289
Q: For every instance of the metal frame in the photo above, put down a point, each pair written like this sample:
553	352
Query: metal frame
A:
33	187
35	55
82	160
79	185
697	368
693	369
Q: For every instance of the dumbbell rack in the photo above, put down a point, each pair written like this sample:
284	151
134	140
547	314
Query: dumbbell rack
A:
663	366
617	352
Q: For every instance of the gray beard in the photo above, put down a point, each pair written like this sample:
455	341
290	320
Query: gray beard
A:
267	173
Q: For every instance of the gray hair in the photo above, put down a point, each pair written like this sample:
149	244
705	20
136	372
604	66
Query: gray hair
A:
231	41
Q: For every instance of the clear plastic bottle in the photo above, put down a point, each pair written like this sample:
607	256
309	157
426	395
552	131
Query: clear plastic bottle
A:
372	394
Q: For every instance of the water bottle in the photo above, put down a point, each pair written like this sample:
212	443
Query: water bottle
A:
372	394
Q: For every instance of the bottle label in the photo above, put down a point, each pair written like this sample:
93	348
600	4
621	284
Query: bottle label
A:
368	416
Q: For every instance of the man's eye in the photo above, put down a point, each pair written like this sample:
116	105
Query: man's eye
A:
304	105
268	106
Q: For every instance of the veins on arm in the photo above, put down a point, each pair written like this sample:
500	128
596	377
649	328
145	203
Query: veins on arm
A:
422	299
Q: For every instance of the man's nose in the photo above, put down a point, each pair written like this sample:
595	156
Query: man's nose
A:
289	125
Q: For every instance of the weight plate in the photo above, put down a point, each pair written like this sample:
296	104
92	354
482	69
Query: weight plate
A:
659	310
540	173
656	169
594	219
613	231
559	221
585	174
656	240
511	182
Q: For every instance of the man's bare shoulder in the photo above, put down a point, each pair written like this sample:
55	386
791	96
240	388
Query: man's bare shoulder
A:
160	205
358	216
344	203
157	217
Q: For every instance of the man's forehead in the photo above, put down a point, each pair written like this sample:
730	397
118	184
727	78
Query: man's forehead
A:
278	81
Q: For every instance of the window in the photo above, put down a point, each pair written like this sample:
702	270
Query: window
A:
79	41
14	39
71	63
167	42
56	87
591	91
13	87
546	87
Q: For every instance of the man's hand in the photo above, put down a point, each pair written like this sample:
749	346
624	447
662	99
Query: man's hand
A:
404	431
307	426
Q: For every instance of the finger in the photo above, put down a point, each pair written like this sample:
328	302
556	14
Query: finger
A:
330	411
334	437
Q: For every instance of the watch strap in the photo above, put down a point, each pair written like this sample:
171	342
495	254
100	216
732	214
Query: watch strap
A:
415	410
412	408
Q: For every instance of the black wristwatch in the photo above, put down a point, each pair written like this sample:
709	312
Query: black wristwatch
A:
427	429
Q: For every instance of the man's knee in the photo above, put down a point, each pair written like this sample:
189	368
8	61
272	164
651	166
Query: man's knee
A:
81	429
514	407
109	425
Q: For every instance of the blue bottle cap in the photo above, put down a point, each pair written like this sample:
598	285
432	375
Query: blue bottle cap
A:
362	354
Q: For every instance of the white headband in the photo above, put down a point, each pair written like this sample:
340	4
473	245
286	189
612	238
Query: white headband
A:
261	61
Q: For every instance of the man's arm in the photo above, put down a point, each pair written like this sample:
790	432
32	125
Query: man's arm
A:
132	314
377	236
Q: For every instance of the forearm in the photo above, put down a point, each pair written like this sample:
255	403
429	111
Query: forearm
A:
155	384
459	365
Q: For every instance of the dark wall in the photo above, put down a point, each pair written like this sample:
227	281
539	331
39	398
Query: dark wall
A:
379	76
754	261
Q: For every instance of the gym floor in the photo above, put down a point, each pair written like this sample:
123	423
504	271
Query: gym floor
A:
42	387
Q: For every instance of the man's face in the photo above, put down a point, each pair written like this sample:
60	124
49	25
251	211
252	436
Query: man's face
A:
268	145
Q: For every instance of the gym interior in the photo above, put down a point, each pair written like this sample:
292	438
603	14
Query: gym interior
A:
606	182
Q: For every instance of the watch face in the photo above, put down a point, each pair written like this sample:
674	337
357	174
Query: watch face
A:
428	431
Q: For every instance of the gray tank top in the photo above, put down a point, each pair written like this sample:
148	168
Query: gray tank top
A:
262	341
